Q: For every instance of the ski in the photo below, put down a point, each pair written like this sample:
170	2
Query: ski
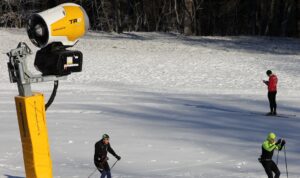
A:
278	115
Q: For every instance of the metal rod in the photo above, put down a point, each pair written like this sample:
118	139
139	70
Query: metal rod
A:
286	167
92	173
114	165
277	157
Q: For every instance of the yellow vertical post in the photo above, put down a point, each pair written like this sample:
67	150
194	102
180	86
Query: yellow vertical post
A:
34	136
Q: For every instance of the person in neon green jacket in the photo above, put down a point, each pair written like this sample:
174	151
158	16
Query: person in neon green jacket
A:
268	147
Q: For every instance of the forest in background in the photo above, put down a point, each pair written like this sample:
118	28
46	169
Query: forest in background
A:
189	17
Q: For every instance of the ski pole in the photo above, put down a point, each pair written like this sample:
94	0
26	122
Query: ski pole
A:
286	167
92	173
114	165
278	153
277	157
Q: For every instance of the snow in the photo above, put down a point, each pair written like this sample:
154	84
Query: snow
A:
174	106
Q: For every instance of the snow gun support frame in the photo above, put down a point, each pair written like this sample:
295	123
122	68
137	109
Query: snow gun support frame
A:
31	112
19	73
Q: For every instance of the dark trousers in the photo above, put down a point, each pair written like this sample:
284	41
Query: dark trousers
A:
272	101
106	170
106	174
271	167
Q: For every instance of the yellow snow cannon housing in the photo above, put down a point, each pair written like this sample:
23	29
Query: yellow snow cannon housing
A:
63	24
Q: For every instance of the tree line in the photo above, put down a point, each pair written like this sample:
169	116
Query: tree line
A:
189	17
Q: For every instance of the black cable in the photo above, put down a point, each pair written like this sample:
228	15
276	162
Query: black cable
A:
52	97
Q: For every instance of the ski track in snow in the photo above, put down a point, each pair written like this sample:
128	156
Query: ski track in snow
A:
174	106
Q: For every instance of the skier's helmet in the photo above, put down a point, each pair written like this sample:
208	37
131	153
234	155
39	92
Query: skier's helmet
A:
269	72
271	136
105	136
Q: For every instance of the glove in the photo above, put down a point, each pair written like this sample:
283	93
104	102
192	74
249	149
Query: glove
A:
259	160
282	143
278	142
118	157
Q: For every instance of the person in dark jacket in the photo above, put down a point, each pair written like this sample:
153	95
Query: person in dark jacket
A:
272	91
100	156
268	148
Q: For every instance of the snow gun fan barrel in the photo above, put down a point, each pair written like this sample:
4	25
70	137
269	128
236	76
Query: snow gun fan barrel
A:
64	24
53	31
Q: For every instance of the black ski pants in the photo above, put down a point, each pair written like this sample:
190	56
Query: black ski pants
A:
272	101
271	167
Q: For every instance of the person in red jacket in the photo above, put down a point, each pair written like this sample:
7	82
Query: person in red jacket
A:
272	91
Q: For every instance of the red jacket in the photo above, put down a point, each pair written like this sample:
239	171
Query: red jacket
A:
272	84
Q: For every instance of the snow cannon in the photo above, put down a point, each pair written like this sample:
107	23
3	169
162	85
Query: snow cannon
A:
53	31
64	24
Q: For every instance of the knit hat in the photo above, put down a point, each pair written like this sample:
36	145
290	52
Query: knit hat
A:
105	136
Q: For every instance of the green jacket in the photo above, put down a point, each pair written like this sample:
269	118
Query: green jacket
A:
270	146
268	150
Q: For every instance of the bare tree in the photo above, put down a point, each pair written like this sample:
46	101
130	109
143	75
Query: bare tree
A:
298	17
188	17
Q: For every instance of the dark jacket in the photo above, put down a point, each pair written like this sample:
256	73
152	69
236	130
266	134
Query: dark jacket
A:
101	152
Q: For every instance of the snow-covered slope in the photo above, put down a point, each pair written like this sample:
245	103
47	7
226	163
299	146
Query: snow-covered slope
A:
174	106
